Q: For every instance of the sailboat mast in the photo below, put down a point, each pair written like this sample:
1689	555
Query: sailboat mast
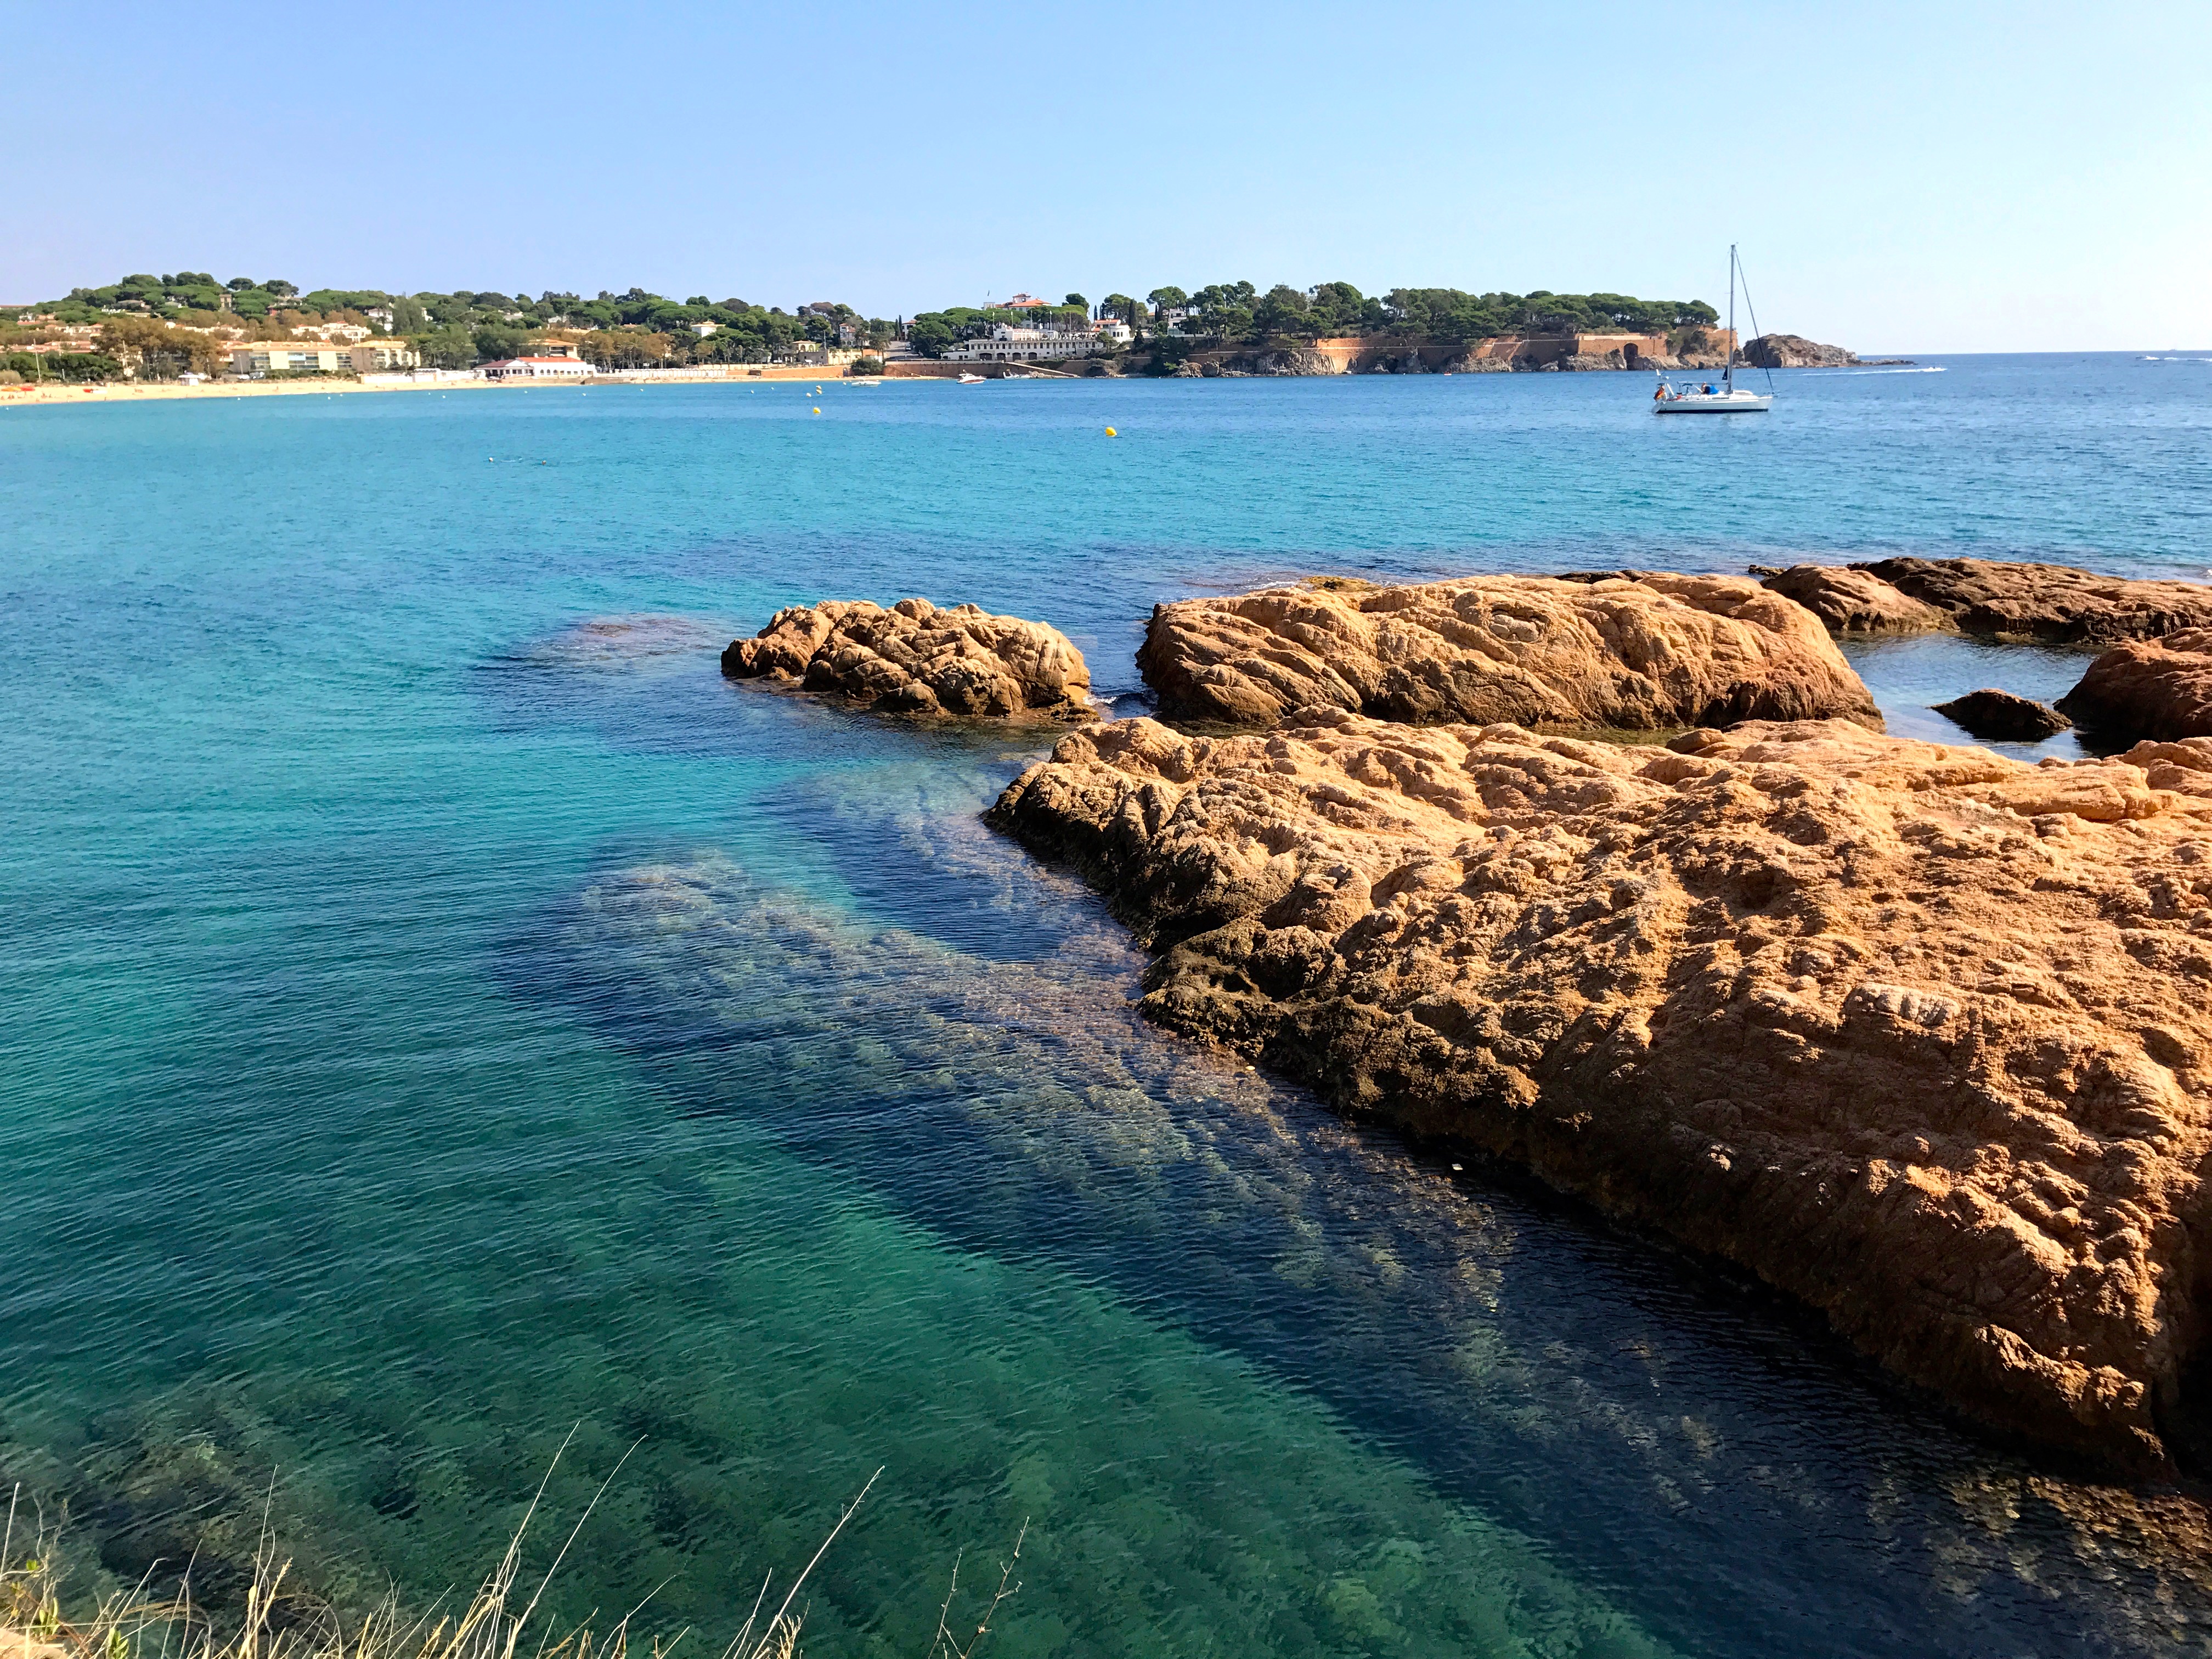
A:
1727	374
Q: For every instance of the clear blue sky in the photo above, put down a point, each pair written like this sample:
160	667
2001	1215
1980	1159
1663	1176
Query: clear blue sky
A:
1902	177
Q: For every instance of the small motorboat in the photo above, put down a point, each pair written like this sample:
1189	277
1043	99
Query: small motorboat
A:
966	379
1710	399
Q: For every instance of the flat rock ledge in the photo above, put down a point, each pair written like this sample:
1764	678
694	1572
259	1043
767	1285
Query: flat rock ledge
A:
917	659
2005	599
1638	651
1853	602
1913	1031
2148	689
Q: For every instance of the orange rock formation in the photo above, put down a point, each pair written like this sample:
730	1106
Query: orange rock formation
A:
916	659
2148	689
1650	651
1915	1032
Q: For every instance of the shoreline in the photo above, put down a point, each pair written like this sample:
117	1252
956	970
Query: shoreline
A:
133	391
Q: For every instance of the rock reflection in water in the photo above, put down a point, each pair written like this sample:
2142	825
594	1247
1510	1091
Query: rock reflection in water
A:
1708	1456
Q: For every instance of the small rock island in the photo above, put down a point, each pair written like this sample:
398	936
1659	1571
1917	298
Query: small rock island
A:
919	659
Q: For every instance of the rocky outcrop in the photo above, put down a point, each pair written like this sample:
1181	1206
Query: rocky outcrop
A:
916	659
1296	361
1914	1032
2148	689
2003	716
1794	351
2055	602
1851	601
1650	653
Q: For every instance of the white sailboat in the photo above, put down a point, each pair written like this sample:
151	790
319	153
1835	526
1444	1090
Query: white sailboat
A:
1708	399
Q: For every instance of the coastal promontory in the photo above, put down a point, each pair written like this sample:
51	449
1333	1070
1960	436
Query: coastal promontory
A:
1912	1031
916	658
1641	651
1795	351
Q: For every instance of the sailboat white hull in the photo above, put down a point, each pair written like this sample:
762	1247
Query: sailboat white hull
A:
1729	400
1720	403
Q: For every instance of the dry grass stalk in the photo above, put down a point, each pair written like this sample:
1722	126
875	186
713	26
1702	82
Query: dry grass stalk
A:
945	1645
278	1624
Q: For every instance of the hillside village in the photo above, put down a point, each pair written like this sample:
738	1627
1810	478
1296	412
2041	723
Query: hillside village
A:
188	327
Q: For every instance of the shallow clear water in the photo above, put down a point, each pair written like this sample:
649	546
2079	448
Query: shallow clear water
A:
432	1024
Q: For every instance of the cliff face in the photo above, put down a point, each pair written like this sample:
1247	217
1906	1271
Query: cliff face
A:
917	659
1914	1032
1794	351
1652	652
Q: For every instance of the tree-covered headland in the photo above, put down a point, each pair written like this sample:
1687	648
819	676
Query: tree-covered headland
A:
167	324
1239	314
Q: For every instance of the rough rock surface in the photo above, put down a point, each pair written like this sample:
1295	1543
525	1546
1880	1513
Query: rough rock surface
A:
1649	652
2003	716
916	659
1851	601
2148	689
1794	351
1915	1032
1296	360
2051	602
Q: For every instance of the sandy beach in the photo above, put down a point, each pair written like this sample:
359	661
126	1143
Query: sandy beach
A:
59	392
121	391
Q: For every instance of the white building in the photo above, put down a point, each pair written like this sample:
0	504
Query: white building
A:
537	369
1006	344
258	358
372	354
703	330
251	360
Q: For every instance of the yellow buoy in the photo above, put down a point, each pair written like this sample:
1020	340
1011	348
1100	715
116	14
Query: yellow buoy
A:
1111	433
817	408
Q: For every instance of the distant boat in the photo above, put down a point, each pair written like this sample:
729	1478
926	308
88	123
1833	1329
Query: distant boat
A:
966	379
1704	400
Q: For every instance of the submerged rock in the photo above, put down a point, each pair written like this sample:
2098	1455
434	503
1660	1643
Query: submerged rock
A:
916	659
2056	603
1913	1031
1850	601
2003	716
1645	651
2148	689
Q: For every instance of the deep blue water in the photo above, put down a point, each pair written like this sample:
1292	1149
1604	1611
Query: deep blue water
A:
432	1024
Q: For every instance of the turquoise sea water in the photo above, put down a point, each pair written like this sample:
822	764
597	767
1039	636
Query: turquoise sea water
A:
436	1019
